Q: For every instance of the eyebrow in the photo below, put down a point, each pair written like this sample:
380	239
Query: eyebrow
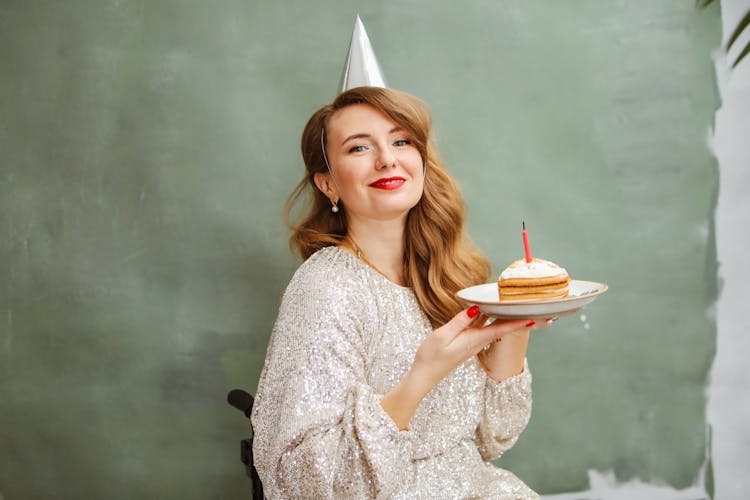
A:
357	136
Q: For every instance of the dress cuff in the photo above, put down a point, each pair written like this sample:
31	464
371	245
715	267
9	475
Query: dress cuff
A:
387	449
520	382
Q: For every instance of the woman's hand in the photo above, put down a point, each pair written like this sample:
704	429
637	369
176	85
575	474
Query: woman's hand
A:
439	354
458	340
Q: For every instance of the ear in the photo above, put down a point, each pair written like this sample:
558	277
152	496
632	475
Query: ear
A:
326	185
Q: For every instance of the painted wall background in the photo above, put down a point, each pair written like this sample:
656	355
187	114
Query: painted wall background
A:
148	148
729	406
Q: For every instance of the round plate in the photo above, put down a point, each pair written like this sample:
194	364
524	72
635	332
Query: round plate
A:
486	297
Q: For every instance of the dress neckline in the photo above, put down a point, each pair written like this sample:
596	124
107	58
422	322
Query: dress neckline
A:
371	270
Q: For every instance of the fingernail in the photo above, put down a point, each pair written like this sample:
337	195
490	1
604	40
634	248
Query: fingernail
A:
472	311
530	323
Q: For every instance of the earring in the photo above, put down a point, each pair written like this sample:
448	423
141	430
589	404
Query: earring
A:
334	207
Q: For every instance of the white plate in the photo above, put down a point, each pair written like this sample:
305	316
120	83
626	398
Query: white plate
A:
486	297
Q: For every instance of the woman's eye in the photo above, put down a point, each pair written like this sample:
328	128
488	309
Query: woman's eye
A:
402	142
356	149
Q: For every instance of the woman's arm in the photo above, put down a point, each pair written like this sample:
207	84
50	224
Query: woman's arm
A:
506	413
507	397
444	350
320	430
505	357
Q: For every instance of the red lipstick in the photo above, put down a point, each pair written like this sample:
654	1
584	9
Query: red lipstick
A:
388	183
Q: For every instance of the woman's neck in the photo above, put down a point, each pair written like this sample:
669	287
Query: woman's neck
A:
381	245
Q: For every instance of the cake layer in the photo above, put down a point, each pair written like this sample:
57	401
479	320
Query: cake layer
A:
533	288
553	294
549	280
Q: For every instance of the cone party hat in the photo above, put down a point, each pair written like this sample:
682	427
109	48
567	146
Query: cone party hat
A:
361	67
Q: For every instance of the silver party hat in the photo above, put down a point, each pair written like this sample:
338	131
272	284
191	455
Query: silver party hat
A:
361	67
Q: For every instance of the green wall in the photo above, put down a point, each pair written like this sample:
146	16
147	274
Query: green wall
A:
146	151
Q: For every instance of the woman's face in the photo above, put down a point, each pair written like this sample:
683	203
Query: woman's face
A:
377	169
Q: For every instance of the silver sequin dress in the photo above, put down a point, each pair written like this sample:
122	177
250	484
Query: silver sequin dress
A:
344	336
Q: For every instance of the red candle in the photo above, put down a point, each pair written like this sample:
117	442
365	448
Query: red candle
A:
526	247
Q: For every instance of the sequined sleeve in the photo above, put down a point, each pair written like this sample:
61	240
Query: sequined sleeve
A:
507	410
320	431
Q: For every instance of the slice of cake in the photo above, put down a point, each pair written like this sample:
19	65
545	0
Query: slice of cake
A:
538	279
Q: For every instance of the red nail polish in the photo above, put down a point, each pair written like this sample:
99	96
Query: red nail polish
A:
530	323
472	311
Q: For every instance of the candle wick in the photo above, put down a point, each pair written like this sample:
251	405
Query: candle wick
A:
524	225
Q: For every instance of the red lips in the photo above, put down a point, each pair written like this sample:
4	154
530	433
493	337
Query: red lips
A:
388	183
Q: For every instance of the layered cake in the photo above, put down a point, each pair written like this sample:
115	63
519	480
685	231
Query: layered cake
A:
538	279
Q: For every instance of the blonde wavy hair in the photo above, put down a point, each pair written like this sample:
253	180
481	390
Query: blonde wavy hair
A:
439	257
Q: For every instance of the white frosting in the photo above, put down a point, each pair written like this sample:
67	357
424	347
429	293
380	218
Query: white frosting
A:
537	268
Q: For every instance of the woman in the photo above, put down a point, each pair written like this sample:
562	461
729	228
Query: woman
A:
377	383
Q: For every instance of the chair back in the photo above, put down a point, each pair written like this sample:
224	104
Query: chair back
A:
243	401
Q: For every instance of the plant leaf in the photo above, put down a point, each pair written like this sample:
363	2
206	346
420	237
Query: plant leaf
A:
742	55
738	30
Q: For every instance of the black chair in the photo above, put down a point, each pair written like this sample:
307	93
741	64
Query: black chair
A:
243	401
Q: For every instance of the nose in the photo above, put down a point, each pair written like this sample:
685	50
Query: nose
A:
386	158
